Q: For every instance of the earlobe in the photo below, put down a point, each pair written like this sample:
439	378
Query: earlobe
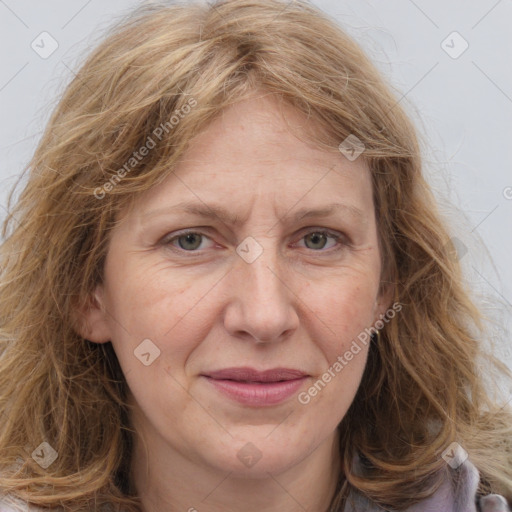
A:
92	319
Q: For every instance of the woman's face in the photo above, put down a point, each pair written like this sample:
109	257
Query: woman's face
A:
278	283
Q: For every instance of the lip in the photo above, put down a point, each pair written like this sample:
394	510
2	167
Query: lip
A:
257	388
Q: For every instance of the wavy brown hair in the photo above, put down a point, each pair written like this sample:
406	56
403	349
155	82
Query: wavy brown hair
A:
422	387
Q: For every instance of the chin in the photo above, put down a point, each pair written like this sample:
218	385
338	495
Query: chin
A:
248	459
275	464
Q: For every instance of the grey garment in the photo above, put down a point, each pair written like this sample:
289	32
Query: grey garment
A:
11	504
458	497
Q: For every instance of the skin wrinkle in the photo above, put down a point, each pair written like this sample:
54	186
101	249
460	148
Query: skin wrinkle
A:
292	307
430	378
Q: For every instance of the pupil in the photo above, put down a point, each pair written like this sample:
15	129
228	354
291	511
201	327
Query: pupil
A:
188	237
316	236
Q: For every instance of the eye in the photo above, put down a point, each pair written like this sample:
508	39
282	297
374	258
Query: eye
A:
187	241
316	240
191	241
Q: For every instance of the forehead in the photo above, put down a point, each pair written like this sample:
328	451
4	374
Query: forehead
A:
264	128
258	151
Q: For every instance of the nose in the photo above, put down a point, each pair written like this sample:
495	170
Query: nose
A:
262	304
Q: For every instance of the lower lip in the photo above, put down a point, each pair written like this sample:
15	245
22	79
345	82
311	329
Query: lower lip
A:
258	394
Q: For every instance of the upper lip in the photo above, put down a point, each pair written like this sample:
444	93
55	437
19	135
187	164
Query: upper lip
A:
252	375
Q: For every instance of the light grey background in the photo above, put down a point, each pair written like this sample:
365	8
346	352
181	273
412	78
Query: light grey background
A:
462	106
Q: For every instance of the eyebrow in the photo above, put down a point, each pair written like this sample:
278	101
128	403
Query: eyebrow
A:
226	216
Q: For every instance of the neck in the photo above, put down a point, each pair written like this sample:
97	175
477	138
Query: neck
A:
166	481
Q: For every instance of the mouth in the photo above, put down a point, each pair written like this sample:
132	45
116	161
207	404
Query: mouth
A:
257	388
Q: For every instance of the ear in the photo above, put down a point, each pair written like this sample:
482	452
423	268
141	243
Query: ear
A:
92	319
384	300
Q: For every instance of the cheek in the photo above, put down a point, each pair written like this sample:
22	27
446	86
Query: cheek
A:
340	336
150	300
342	308
173	309
157	305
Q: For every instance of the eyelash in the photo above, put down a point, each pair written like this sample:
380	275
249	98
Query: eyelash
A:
339	238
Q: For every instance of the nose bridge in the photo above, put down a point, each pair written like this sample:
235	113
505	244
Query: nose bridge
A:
259	270
261	274
264	301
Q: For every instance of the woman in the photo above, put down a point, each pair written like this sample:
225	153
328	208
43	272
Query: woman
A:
250	370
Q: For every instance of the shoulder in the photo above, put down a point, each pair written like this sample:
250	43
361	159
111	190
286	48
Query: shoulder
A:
455	495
